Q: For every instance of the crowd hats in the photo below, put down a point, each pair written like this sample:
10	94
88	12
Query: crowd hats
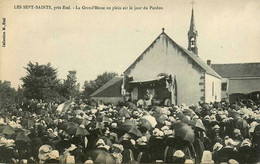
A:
207	157
178	154
217	146
54	154
44	152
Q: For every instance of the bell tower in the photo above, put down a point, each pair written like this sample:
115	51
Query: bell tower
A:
192	35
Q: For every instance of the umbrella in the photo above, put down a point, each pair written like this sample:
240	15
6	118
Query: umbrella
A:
183	117
102	157
22	137
146	124
27	123
100	125
197	124
124	113
127	125
151	120
161	119
78	131
81	132
71	125
184	131
135	131
241	123
8	130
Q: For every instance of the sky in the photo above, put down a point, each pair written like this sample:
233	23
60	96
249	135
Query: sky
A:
94	41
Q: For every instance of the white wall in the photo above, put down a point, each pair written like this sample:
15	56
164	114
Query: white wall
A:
212	88
244	85
165	57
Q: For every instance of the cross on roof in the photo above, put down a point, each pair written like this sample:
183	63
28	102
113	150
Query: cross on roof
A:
192	3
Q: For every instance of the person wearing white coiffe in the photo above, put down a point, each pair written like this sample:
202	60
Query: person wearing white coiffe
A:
207	157
179	157
216	148
228	152
53	157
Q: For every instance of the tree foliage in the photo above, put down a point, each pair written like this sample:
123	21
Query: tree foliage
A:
92	85
41	82
20	98
70	86
7	95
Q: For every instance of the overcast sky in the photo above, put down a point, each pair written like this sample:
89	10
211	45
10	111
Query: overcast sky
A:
92	42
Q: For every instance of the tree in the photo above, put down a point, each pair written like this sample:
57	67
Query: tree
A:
20	96
104	78
92	85
41	82
71	87
7	95
89	87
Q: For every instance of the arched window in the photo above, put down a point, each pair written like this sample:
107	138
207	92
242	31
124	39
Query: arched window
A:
192	42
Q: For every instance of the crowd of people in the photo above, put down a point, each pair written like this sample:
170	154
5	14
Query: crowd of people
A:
82	132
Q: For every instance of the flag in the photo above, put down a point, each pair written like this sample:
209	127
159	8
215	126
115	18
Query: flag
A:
171	85
64	106
174	91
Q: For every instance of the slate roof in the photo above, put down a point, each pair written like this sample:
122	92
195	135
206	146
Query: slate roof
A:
190	54
111	89
201	63
237	70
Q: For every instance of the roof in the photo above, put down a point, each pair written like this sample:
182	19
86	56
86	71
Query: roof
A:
237	70
110	89
201	63
190	54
